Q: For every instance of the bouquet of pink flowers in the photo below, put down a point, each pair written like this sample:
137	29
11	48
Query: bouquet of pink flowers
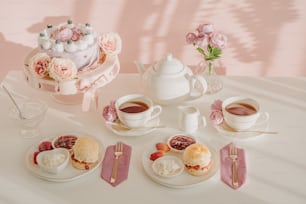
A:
208	42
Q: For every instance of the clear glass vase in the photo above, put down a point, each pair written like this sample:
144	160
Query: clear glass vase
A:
214	82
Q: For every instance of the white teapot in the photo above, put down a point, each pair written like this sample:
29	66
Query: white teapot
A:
169	81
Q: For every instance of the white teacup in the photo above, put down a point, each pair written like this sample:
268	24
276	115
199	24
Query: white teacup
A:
190	119
135	110
240	112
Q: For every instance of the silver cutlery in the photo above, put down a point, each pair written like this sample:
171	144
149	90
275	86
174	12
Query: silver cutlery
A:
118	152
234	155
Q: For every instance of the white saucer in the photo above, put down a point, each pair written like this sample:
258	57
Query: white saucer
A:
261	124
122	131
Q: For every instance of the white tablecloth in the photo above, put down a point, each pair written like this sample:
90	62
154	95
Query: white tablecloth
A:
276	163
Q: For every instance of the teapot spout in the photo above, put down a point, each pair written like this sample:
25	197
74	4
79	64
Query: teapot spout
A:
140	66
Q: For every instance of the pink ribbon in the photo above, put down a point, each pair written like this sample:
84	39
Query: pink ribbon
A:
90	87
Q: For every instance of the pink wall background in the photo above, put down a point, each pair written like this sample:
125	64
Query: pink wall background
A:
266	37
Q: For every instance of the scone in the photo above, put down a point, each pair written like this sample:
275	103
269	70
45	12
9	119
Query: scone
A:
197	159
85	153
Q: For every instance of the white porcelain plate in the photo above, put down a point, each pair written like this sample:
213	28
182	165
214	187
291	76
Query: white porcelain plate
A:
68	174
122	131
184	180
261	125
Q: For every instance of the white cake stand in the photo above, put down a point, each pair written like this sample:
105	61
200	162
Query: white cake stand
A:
81	89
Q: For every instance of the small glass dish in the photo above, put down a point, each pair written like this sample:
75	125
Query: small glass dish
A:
53	161
34	112
168	166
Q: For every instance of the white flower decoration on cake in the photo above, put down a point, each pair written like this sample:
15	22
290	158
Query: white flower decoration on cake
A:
62	69
38	64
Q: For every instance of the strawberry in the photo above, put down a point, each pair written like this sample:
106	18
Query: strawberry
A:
156	155
162	147
46	145
35	156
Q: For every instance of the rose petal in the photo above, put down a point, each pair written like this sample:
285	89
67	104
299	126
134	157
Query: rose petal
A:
217	105
218	40
110	43
109	112
191	38
62	69
216	117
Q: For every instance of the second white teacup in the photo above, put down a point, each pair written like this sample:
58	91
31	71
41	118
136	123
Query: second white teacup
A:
240	112
135	110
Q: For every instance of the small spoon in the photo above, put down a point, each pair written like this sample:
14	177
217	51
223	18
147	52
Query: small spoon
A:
227	127
13	100
121	127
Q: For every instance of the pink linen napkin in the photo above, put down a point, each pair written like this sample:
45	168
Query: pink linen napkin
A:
226	166
123	164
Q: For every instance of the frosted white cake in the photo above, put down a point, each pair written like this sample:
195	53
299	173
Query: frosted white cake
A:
77	42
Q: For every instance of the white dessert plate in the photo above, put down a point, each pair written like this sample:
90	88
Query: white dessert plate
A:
184	180
68	174
258	129
118	129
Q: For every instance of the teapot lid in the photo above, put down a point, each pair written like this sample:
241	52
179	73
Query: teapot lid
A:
169	65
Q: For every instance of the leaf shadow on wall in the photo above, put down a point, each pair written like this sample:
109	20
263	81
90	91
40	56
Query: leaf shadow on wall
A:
262	21
152	30
52	20
11	61
15	61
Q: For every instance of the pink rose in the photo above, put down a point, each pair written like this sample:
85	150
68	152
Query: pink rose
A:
109	112
216	106
205	29
62	34
202	42
216	117
191	38
39	64
76	34
62	69
218	40
110	43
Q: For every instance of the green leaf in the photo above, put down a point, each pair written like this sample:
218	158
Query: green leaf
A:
200	50
210	57
216	52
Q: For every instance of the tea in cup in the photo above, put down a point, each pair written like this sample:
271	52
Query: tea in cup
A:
240	113
135	110
190	119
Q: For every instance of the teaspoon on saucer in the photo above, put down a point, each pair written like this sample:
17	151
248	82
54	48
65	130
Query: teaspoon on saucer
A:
228	128
121	127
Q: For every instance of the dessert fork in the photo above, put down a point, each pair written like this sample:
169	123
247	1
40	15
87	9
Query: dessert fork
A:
233	155
118	152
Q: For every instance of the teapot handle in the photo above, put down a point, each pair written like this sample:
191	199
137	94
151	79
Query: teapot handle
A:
198	86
